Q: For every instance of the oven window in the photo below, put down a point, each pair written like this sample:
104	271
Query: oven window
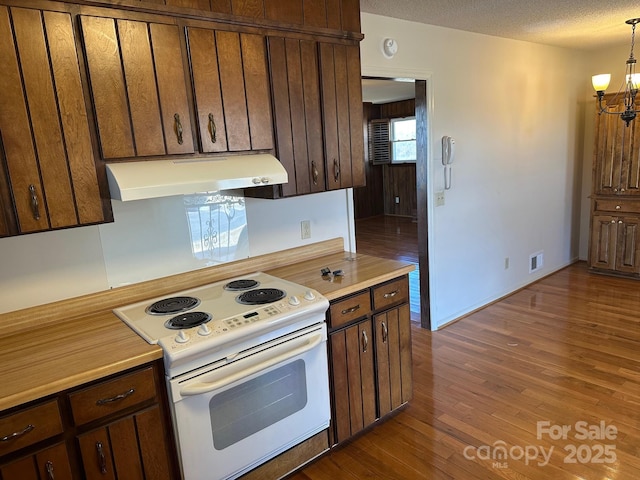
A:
249	407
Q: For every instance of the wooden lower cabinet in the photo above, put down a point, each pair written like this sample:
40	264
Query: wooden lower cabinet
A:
352	367
130	438
615	243
48	464
369	356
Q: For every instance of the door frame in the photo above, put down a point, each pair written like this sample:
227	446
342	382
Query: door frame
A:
424	185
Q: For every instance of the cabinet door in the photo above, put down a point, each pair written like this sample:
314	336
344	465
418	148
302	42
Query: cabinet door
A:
342	112
43	123
603	242
617	154
138	87
627	256
354	398
232	95
297	110
393	358
134	447
47	464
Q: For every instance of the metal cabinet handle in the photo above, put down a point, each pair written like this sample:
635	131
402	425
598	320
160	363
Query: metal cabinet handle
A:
49	468
391	294
385	332
613	221
178	123
13	435
618	207
620	221
102	461
35	207
212	128
350	310
336	170
365	341
121	396
314	172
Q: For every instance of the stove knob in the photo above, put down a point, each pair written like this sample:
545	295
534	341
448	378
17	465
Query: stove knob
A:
182	337
294	300
204	330
309	295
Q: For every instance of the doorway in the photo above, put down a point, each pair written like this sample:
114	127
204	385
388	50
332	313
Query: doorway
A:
397	189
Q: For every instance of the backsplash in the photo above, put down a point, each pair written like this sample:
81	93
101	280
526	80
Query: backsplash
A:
159	237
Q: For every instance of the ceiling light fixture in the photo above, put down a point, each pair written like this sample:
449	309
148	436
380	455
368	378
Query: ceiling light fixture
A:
632	83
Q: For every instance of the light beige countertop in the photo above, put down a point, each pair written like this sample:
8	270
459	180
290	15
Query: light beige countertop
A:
50	348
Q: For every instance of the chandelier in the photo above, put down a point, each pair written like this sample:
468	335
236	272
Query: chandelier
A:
632	82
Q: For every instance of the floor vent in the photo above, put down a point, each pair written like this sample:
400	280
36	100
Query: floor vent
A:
536	260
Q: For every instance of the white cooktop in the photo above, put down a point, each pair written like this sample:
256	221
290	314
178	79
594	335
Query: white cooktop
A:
231	324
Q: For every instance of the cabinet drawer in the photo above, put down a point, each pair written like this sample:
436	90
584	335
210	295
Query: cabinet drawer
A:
390	293
349	309
28	426
626	206
112	396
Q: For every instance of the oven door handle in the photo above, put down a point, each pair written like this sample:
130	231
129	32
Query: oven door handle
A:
284	352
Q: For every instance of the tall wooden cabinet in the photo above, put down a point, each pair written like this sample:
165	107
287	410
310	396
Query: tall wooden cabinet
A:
615	201
49	177
369	356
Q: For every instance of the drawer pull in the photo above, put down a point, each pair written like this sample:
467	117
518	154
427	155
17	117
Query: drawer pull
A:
13	435
350	310
178	123
122	396
385	332
391	294
49	468
102	462
212	128
365	341
617	207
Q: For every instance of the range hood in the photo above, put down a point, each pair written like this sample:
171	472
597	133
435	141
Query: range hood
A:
183	176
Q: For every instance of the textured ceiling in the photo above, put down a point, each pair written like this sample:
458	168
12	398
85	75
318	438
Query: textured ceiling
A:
581	24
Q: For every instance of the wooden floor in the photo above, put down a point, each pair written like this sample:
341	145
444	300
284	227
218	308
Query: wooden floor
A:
395	238
492	390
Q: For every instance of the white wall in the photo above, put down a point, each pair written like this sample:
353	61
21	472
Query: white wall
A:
515	110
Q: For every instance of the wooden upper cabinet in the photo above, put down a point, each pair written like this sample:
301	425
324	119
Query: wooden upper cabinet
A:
43	125
231	90
341	89
297	110
137	79
617	154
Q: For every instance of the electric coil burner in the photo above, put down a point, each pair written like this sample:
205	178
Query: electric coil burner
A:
241	284
187	320
260	296
172	305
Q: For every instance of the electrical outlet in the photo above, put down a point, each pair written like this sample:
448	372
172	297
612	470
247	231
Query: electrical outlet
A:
397	199
440	198
305	229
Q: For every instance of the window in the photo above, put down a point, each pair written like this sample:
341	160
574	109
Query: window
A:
403	140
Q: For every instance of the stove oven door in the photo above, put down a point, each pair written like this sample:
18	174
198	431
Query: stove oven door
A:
232	418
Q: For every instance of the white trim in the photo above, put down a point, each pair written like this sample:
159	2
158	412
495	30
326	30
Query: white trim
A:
389	72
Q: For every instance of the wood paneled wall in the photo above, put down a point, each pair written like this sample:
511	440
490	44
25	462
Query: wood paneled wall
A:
386	182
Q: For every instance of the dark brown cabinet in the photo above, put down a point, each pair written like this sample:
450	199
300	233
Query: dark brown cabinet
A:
138	86
231	90
51	179
114	428
317	102
369	356
614	245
